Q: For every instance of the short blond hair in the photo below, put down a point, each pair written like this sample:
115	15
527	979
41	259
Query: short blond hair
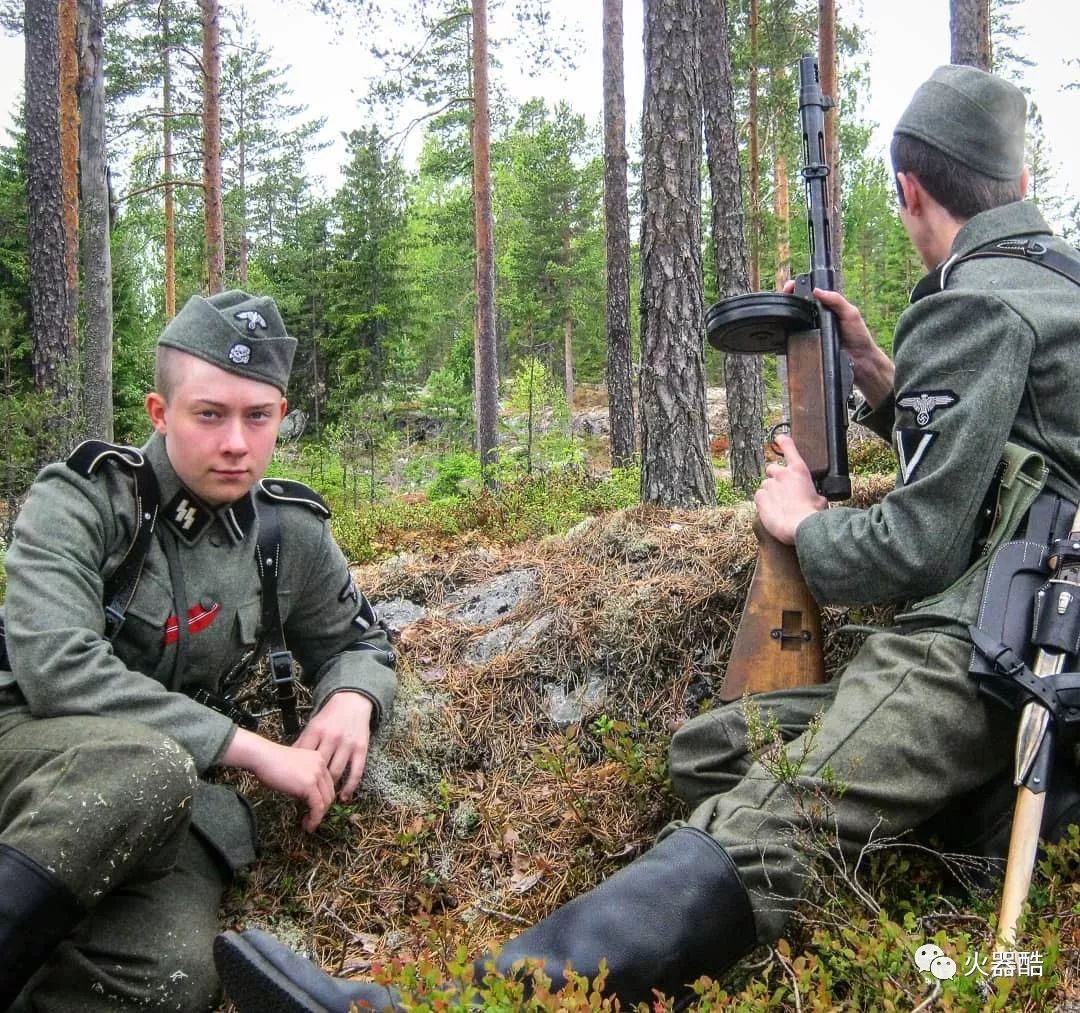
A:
167	367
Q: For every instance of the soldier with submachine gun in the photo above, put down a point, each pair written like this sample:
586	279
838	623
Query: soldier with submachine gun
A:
978	409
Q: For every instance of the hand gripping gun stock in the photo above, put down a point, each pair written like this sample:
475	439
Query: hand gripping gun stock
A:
778	643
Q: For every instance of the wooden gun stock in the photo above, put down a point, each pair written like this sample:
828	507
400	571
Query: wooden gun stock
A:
806	392
778	644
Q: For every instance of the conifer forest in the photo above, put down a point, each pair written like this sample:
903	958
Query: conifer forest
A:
502	376
481	258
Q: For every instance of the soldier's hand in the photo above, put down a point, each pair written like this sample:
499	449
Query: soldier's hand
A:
340	732
301	773
787	496
871	369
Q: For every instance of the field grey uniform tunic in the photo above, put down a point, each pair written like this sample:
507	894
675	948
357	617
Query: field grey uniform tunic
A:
100	762
995	357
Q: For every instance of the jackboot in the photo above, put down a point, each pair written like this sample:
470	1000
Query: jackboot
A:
676	913
37	912
262	975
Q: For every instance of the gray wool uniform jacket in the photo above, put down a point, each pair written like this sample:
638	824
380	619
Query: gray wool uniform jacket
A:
994	357
73	530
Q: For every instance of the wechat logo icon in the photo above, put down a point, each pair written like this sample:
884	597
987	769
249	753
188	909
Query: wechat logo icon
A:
931	959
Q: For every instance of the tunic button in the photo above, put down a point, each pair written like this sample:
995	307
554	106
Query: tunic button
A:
276	489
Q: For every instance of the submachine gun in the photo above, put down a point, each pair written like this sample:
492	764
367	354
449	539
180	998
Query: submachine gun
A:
778	643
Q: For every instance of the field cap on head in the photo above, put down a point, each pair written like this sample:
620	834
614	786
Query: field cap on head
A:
973	116
236	331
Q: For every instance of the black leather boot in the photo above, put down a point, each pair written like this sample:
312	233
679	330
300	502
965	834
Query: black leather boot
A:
661	922
261	975
676	913
37	911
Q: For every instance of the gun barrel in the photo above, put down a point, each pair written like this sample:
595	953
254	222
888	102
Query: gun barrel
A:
832	481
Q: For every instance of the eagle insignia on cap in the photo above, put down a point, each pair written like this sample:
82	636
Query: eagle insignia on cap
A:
925	403
240	354
253	319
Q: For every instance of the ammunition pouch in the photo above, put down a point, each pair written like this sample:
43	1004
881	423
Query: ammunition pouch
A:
1024	610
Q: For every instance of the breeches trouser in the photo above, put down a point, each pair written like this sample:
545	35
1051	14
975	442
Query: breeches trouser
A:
904	730
105	806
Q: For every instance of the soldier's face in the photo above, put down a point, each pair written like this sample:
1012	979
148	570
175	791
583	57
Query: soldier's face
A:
219	429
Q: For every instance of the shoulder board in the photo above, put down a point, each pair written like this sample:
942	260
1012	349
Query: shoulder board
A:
87	457
283	490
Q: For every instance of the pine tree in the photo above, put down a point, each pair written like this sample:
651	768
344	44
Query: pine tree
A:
676	466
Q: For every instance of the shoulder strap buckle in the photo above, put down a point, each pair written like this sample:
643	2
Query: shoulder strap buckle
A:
282	670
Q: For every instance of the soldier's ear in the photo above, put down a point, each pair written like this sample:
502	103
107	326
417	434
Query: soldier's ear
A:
155	408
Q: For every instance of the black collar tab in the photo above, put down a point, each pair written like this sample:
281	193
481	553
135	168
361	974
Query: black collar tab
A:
187	515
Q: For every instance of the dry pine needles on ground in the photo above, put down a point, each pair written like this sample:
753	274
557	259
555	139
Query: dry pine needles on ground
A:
509	780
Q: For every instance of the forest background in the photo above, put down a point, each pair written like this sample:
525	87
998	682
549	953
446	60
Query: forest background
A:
373	263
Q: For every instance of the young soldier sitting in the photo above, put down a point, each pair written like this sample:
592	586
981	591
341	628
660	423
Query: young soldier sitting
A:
141	584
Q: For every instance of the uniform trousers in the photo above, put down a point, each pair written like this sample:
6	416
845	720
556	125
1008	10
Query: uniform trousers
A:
105	806
903	732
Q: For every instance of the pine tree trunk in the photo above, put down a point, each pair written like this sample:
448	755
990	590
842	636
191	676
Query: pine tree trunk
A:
241	184
94	226
827	74
69	145
617	222
743	383
167	147
568	326
969	32
782	209
54	355
485	350
754	160
676	466
212	213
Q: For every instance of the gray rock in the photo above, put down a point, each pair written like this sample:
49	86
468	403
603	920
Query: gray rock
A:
397	613
483	603
569	706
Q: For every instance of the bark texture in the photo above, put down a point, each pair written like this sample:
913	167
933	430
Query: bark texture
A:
743	384
827	72
94	231
212	213
753	153
167	149
969	32
676	466
617	223
54	354
485	348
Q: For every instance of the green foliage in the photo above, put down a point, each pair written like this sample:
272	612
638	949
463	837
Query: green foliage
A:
727	494
871	457
547	183
528	507
367	345
451	471
538	423
642	756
